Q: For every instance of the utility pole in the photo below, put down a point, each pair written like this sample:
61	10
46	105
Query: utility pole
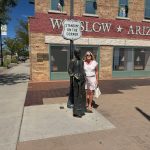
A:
71	97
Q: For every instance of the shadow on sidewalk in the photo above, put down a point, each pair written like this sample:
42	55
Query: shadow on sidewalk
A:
143	113
10	79
39	90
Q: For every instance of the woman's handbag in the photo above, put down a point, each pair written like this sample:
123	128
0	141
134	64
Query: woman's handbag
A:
97	92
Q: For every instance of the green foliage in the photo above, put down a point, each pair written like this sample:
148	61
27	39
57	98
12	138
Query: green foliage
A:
14	59
11	45
6	52
24	53
18	45
7	61
5	6
15	46
22	33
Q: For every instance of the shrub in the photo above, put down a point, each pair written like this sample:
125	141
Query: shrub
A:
14	60
6	62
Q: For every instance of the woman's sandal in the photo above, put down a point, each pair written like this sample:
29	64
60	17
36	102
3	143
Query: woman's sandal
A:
86	108
89	109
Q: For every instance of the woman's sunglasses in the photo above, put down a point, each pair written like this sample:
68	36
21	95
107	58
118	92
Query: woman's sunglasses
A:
88	55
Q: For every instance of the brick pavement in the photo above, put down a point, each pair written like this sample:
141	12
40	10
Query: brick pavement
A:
37	91
125	103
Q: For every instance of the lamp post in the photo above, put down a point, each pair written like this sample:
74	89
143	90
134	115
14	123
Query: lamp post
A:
71	97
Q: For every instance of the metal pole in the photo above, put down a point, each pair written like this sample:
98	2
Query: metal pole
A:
71	97
1	46
71	17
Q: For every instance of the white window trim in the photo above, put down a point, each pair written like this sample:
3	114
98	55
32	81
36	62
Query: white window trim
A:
98	41
146	20
122	18
90	15
57	12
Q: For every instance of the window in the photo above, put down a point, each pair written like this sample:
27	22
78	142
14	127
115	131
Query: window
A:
59	53
62	53
139	59
147	9
123	8
84	49
90	6
57	5
60	58
130	59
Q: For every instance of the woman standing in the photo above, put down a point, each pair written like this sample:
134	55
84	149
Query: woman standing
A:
91	71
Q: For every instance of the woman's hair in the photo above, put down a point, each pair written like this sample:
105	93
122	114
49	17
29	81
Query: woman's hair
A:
92	56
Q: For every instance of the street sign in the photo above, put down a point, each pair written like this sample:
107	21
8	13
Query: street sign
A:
3	29
71	29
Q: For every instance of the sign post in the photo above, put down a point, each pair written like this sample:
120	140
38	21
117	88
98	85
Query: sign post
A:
3	31
71	17
71	31
71	96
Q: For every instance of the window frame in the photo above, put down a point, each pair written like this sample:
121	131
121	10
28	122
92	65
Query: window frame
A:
122	59
56	10
145	8
63	75
124	7
93	7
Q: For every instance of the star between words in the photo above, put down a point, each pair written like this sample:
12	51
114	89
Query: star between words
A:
105	27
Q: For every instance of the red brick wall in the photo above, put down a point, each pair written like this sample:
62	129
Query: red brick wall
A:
42	23
107	9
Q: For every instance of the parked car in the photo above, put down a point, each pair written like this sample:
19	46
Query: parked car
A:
22	58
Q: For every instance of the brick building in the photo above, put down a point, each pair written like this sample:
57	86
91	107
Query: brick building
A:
116	31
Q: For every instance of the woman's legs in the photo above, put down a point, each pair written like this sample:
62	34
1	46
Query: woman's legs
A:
89	98
90	86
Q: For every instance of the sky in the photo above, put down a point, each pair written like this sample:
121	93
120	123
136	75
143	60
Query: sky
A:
21	11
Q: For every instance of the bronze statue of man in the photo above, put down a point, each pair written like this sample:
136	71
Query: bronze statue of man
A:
76	71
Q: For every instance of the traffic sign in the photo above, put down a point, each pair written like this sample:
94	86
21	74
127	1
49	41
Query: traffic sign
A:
3	29
71	29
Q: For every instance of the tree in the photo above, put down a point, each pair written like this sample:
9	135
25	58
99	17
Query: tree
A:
11	45
20	43
22	33
15	46
5	6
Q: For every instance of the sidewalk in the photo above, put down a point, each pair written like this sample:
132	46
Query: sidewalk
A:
2	69
13	88
121	118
